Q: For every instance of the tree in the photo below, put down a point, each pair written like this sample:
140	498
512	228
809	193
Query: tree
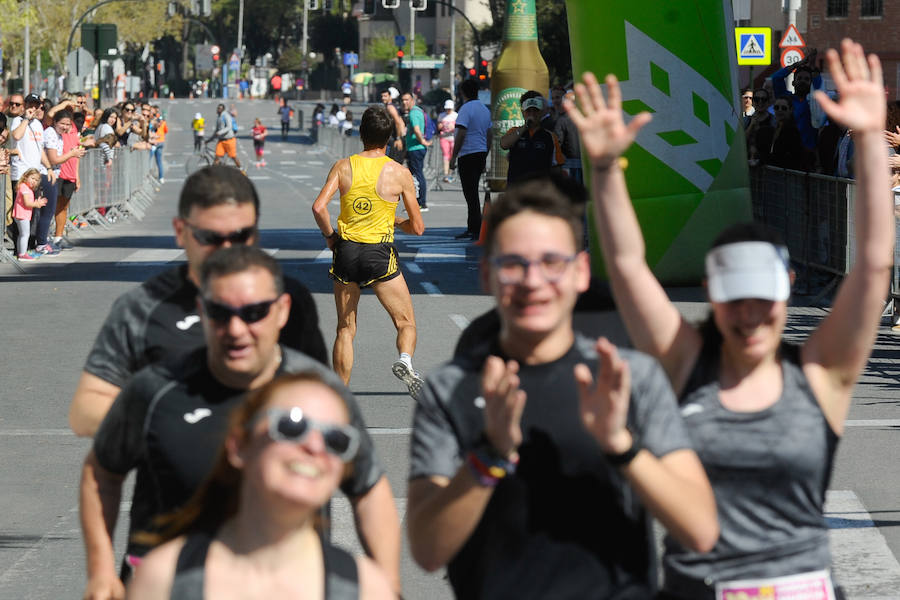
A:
383	49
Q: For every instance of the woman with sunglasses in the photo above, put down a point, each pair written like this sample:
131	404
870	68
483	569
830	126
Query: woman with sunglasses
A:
765	417
250	530
785	146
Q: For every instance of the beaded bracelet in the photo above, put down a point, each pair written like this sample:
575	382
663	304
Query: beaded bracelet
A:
489	468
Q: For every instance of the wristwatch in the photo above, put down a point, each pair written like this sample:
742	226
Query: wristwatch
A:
624	458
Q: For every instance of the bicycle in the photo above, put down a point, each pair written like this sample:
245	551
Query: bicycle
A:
200	159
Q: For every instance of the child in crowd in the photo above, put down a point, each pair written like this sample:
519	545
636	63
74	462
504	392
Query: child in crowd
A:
259	142
347	123
25	203
197	125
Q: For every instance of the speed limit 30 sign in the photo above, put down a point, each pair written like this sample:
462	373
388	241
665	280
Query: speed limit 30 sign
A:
791	55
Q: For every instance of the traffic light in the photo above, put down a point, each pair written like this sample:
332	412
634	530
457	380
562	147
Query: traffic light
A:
369	7
215	53
418	4
390	3
483	70
399	57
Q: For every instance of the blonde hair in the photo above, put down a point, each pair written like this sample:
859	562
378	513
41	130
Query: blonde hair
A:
28	174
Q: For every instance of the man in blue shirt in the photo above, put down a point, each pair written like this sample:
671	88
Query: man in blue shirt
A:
471	146
806	77
416	146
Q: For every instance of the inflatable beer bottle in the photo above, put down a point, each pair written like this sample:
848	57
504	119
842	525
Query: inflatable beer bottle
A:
520	68
687	170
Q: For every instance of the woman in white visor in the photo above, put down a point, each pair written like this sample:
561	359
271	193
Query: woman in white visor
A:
764	416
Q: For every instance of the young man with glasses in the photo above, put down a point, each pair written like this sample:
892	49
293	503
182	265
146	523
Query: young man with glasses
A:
169	422
538	455
218	207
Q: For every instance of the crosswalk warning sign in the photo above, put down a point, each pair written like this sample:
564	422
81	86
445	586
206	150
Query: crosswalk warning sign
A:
754	45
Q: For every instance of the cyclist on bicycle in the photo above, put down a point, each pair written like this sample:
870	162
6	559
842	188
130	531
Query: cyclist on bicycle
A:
224	132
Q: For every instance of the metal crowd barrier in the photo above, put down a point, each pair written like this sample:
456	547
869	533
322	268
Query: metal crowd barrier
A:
123	187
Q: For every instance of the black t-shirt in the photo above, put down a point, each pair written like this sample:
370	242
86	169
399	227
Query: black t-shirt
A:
159	318
169	422
531	154
567	524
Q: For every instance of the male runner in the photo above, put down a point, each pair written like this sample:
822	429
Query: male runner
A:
370	184
224	132
537	454
218	207
170	420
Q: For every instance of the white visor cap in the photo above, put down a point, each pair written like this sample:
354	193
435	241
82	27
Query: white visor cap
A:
748	270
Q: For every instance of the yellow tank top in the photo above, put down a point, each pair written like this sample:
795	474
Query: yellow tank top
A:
366	217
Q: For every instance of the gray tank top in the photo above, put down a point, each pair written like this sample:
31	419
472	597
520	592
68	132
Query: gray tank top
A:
769	471
341	577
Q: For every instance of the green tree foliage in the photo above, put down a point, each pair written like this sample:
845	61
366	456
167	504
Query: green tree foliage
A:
383	49
553	36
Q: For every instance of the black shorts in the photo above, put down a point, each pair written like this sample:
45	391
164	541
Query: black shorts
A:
363	264
66	188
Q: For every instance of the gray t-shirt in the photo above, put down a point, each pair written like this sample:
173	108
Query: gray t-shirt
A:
567	524
769	471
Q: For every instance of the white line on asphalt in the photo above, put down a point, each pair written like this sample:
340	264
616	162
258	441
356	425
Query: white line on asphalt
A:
21	565
271	251
295	176
258	177
863	563
324	256
460	321
390	430
315	163
158	256
287	162
432	289
288	151
872	423
414	268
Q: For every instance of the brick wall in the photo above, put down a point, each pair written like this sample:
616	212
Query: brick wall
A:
880	35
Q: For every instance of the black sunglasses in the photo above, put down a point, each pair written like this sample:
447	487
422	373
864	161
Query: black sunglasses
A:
207	237
291	425
248	313
15	104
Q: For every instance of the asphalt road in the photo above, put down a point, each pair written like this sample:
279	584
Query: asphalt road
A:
52	313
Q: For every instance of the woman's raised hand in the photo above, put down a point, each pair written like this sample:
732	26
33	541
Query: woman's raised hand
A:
600	122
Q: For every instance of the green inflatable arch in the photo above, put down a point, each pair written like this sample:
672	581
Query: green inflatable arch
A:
687	171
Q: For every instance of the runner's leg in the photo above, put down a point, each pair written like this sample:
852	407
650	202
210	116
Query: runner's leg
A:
394	297
346	300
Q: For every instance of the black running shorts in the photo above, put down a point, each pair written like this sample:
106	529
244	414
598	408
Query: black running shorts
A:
363	264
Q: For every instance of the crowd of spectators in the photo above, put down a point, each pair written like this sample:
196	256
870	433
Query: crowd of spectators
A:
49	139
789	129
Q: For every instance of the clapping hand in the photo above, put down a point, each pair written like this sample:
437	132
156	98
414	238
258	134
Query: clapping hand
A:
503	404
892	138
604	402
604	134
860	87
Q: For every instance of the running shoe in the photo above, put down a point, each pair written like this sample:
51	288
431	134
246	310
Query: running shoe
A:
27	256
46	250
412	379
63	244
423	209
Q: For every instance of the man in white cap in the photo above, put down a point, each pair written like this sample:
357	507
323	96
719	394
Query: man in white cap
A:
447	133
532	149
395	142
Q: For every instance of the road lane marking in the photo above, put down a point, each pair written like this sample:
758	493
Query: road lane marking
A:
431	289
324	256
158	256
460	321
414	268
872	423
287	162
863	563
